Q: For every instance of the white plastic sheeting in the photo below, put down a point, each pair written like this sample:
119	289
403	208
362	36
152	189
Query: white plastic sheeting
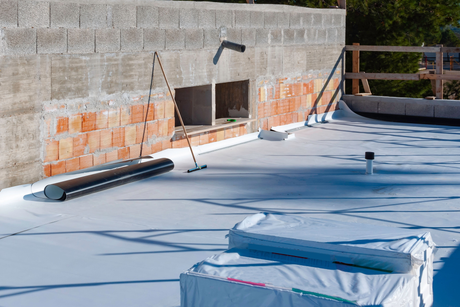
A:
248	278
370	246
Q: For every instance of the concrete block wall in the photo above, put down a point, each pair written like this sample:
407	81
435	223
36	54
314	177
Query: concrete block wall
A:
61	60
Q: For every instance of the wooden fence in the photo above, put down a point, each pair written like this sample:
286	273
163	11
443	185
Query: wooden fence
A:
356	75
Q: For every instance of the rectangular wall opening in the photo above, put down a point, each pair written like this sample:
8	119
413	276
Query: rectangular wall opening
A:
195	105
232	100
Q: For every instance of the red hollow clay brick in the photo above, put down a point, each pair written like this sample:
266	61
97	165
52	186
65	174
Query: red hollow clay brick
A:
114	118
130	135
169	109
123	153
159	110
66	148
47	170
146	150
118	137
62	125
51	150
111	156
106	139
166	144
163	127
156	147
72	165
151	111
102	119
98	159
212	136
179	143
137	113
152	129
86	161
58	168
134	151
93	141
140	133
204	138
79	144
171	126
75	123
125	116
88	122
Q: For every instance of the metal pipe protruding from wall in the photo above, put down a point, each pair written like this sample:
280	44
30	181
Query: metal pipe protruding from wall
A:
369	156
233	46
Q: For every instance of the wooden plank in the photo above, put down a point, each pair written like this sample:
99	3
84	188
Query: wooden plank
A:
382	76
439	77
391	48
366	86
343	4
363	94
450	49
355	84
439	70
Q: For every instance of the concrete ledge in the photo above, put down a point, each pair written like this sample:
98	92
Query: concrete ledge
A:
419	107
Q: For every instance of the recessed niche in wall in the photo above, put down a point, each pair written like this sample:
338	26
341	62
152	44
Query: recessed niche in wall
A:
195	105
232	99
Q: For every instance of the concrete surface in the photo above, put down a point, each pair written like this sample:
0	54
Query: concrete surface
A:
127	246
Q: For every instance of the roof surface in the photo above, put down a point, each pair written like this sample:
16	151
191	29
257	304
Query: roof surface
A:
127	246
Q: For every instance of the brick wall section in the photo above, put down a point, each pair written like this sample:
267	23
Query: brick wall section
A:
290	100
80	140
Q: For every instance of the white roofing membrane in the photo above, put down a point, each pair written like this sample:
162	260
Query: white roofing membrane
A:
127	246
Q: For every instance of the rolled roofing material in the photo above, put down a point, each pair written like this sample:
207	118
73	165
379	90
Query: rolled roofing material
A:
69	189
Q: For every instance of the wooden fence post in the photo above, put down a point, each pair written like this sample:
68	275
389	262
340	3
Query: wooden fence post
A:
355	82
439	71
343	4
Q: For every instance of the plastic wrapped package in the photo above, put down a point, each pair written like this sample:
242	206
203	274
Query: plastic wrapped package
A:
251	278
391	250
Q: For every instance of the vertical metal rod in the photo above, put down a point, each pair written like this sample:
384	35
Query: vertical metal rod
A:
148	104
355	82
176	107
439	71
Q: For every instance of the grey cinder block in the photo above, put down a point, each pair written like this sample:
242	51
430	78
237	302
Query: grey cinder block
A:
33	14
8	13
299	36
207	19
262	37
175	39
52	40
131	40
224	18
194	38
242	19
331	35
336	20
288	36
154	39
310	36
248	37
20	41
444	111
234	35
392	107
271	20
295	21
211	38
93	16
363	106
317	20
327	20
168	17
257	19
321	36
341	36
419	109
307	20
65	15
80	41
107	40
283	20
124	16
276	37
189	18
147	17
